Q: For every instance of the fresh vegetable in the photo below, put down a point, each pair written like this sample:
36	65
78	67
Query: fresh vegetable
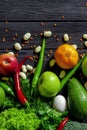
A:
84	67
77	100
60	103
8	64
2	96
20	95
73	125
71	72
48	84
62	124
49	117
7	88
38	67
66	56
19	119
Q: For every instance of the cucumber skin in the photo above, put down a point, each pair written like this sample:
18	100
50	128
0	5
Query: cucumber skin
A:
77	100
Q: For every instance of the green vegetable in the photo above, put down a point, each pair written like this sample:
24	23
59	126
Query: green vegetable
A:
15	119
73	125
39	66
49	117
77	99
7	88
84	67
2	96
71	72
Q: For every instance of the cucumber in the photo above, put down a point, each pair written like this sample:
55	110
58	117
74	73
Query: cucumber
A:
77	100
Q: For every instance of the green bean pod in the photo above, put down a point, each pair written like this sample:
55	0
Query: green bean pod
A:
39	66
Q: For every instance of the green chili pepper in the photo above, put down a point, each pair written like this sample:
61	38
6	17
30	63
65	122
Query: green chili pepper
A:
6	88
71	72
39	65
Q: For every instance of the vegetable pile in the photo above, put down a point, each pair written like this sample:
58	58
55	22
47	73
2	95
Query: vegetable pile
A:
37	102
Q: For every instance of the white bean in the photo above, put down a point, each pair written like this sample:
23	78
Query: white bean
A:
27	36
24	69
85	43
34	69
84	36
66	37
75	46
22	75
17	46
47	33
38	49
29	67
12	53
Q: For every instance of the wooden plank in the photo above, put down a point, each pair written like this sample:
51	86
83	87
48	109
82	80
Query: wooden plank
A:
74	29
35	10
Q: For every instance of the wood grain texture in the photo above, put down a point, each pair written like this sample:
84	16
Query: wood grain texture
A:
74	29
46	10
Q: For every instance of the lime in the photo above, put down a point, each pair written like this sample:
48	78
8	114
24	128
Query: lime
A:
84	67
2	96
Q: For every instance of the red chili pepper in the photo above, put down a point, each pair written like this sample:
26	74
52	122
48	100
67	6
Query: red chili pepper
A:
21	97
62	124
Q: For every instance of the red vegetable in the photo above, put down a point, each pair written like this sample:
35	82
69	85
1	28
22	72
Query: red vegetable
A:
21	97
62	124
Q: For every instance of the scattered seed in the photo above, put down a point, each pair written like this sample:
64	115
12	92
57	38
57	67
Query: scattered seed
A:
17	46
35	35
12	53
75	46
81	39
57	39
16	35
42	24
34	69
27	36
22	75
47	33
51	51
29	67
86	4
26	42
24	69
37	49
62	74
6	30
66	37
63	17
52	62
13	38
54	35
41	34
3	39
85	43
31	38
84	36
54	25
6	21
